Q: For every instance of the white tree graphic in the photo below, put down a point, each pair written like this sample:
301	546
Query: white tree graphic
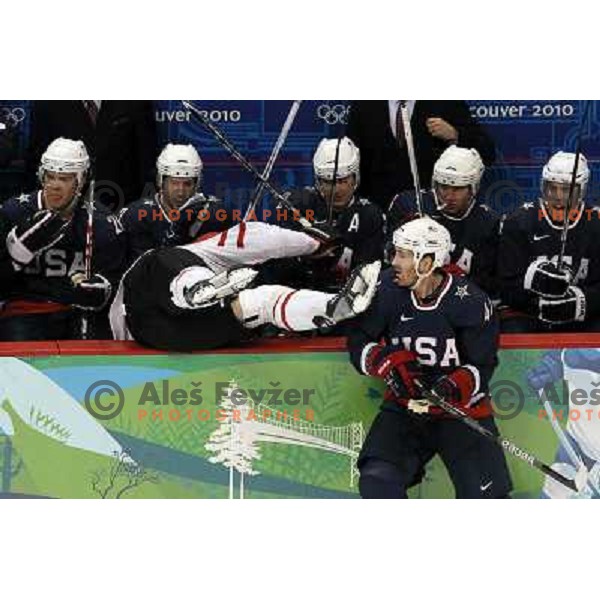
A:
234	446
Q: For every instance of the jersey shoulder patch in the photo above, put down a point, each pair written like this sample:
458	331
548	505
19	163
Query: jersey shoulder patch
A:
471	306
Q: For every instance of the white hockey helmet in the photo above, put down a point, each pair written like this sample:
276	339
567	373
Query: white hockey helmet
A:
423	237
65	156
348	159
458	167
559	169
178	160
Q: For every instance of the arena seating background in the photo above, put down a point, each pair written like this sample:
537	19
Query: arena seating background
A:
526	132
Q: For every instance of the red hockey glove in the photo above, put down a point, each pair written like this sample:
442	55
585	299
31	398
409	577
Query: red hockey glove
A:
398	368
457	387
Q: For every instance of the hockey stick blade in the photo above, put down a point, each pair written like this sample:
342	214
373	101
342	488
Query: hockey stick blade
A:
507	445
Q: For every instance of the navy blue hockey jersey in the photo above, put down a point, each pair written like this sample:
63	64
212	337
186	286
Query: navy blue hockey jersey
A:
528	234
148	226
48	276
458	328
475	235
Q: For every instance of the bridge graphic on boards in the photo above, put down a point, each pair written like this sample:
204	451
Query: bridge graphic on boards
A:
235	443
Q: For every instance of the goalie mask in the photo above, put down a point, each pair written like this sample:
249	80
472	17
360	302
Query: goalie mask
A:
556	181
347	174
457	168
424	237
64	156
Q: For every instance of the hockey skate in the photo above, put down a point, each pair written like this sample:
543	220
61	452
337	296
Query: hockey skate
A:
355	297
208	292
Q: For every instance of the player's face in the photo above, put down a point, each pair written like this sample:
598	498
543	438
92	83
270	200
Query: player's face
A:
178	190
403	264
456	200
344	190
556	195
58	189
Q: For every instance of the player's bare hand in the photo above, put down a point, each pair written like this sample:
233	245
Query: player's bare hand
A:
442	129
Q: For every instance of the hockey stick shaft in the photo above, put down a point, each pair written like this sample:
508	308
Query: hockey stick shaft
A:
88	251
565	229
412	158
507	445
220	136
266	174
336	164
89	231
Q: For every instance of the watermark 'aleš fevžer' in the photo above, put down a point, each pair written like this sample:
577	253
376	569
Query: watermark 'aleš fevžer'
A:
105	399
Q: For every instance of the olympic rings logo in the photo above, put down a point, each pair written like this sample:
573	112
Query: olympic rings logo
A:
334	114
12	116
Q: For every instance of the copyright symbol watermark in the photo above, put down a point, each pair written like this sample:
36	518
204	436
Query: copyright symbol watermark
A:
508	399
104	399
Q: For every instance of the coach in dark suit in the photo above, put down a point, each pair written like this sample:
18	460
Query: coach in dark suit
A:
120	136
375	127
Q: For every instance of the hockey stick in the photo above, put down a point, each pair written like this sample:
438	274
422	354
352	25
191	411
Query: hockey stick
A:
88	252
411	155
565	229
266	174
336	164
507	445
283	201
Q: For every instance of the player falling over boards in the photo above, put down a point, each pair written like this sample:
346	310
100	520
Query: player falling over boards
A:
198	296
440	330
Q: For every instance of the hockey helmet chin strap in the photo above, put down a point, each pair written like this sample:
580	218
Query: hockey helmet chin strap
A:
441	206
421	276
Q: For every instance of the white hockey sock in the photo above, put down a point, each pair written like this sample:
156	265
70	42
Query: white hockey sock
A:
284	307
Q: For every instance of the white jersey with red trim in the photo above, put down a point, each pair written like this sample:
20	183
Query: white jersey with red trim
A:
250	244
245	244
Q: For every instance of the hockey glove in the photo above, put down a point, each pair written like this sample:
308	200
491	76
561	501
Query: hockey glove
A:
564	310
91	294
398	368
549	370
457	388
37	233
328	237
547	280
198	216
